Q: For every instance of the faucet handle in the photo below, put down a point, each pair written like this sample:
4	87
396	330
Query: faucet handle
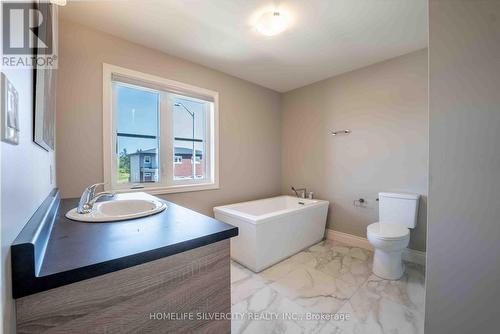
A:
94	186
91	189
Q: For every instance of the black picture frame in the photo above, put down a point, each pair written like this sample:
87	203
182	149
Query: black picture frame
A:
44	87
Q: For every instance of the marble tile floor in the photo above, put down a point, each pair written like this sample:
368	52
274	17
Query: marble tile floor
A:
328	279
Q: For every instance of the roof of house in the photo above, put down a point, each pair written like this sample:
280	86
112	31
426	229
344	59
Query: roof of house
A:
151	150
177	151
185	151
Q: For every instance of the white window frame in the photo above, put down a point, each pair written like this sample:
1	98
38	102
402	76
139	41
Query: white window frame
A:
149	159
197	160
167	185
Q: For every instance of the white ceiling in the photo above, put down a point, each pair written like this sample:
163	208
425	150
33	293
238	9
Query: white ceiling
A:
326	37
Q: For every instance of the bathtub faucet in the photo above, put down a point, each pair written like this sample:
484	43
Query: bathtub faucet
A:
301	191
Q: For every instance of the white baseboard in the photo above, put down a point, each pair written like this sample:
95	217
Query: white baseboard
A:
414	256
409	255
348	239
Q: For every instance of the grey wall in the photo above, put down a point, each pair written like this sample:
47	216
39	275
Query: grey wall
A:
386	107
250	128
463	248
26	182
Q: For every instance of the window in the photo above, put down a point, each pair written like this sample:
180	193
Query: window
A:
154	129
148	177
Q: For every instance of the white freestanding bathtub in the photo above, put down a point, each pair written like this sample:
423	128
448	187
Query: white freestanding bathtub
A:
273	229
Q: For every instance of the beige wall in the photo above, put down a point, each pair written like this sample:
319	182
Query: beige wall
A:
26	182
463	253
386	107
249	118
268	141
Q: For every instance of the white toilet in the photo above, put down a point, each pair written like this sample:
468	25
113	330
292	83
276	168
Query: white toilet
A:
390	235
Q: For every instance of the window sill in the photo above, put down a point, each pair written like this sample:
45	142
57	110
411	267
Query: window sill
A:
171	189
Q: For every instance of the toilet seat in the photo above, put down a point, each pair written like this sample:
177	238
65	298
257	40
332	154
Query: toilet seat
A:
386	231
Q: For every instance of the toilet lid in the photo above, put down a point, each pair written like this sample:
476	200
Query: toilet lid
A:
388	231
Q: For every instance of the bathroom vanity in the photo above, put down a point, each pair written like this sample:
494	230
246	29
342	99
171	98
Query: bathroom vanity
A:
168	272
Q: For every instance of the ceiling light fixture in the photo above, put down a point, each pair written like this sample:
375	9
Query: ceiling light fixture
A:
272	23
58	2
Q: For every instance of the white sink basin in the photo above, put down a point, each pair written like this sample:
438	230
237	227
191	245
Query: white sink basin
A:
119	210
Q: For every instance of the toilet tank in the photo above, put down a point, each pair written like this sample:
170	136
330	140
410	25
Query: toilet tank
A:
398	208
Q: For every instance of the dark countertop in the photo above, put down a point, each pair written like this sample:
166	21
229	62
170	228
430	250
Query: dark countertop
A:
74	251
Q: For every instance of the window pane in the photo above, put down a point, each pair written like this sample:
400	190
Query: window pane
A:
189	136
137	141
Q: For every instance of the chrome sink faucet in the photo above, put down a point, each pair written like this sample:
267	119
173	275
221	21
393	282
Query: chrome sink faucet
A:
89	197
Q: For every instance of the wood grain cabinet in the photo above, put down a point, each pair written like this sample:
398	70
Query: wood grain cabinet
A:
175	294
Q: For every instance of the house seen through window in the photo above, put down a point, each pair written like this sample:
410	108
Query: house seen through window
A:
158	135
